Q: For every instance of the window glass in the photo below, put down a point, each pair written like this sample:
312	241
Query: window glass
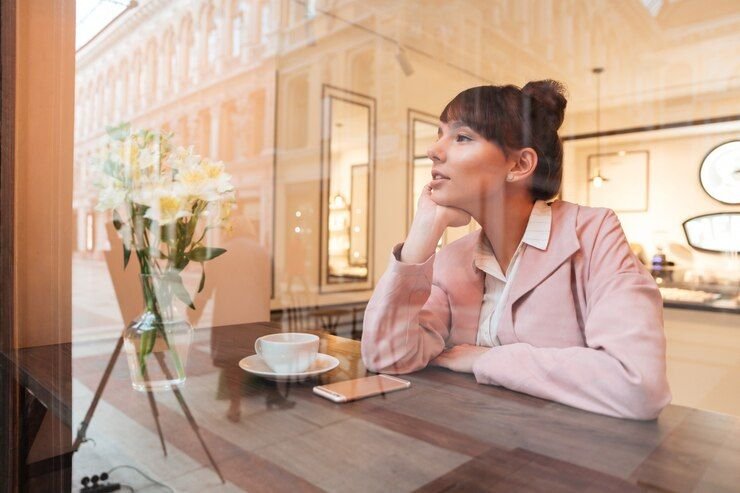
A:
260	161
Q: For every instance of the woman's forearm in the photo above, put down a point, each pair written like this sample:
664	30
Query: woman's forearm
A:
421	243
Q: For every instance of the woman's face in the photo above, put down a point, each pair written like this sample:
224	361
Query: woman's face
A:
467	168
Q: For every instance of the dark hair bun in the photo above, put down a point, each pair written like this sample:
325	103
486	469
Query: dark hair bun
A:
550	94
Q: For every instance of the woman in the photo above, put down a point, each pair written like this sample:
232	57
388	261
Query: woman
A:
545	299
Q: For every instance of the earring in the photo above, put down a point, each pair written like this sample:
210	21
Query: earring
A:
510	177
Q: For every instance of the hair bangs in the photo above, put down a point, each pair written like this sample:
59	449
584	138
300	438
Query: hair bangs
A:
479	109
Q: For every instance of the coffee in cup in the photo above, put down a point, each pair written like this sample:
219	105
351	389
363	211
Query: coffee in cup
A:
288	352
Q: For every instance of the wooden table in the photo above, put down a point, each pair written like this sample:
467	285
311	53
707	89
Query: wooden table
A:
446	433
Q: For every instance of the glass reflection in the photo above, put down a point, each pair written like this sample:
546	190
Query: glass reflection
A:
242	81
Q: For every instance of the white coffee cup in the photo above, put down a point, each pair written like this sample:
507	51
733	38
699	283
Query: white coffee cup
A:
288	352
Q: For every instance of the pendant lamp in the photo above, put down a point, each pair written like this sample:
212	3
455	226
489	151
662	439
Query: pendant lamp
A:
598	179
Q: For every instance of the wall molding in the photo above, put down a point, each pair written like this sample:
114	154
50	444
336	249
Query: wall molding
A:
649	128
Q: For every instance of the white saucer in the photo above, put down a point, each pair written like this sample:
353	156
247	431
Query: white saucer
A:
254	364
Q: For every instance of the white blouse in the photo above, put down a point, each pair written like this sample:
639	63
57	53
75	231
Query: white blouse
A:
497	285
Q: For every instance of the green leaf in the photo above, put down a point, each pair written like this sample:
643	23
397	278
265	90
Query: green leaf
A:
111	168
202	254
181	262
126	236
168	232
202	277
126	255
119	132
117	220
179	289
124	232
190	230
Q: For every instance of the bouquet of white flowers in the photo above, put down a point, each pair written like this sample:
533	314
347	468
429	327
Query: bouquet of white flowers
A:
164	200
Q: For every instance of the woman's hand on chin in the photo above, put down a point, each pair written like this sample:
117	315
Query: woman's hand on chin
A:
444	216
429	224
459	358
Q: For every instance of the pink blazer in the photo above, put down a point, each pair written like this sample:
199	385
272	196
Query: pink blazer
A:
583	324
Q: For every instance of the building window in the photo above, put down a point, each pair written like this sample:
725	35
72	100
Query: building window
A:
310	9
89	232
213	26
237	22
264	22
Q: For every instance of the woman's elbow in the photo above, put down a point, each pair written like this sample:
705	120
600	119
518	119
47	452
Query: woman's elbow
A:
382	360
648	399
374	361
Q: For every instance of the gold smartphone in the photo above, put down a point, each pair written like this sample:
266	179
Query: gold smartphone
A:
359	388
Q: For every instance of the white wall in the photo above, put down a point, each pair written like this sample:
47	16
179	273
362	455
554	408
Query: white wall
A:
674	191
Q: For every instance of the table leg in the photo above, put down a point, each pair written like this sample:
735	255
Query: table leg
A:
189	415
155	413
82	431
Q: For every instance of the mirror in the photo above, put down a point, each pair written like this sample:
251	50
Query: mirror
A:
720	173
348	145
714	233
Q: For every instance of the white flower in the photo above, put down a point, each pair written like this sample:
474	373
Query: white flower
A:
182	157
175	159
206	180
224	185
111	197
219	178
195	184
144	173
146	190
167	205
146	158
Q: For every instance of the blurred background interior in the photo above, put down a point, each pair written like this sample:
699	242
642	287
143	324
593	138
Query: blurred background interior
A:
322	111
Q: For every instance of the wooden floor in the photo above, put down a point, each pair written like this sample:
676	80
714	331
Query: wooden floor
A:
704	359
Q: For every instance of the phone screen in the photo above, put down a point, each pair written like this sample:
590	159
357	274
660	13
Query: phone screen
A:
359	388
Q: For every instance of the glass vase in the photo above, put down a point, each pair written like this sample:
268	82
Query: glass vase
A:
158	341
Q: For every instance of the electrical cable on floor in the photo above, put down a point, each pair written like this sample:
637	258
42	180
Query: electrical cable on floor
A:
152	480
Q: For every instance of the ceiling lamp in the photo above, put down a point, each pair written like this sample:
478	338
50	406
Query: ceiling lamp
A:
598	179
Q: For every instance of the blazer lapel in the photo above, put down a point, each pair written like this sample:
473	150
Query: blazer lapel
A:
536	265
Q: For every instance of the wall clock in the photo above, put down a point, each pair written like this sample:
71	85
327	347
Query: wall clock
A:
720	173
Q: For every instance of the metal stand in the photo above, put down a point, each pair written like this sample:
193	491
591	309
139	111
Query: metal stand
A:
81	432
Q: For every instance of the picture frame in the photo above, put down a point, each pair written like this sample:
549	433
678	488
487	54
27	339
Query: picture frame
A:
626	180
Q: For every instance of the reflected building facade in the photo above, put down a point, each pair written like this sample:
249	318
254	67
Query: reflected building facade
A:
204	71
